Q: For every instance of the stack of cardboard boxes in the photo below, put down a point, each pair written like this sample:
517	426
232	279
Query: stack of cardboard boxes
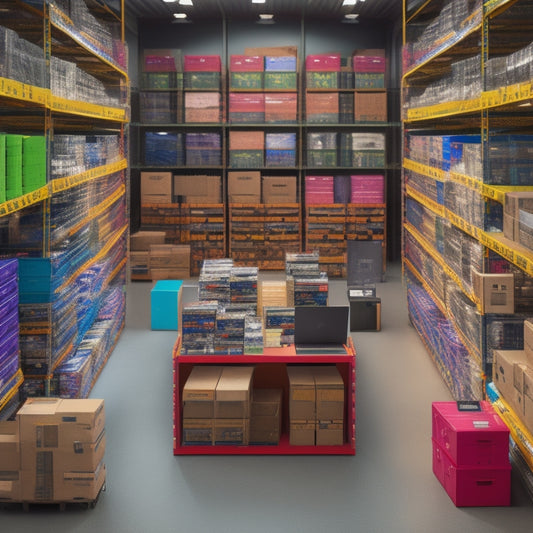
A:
217	404
518	218
53	451
513	376
316	405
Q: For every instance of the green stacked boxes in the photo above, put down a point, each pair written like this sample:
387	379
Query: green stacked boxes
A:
13	166
322	80
280	80
2	168
246	80
33	163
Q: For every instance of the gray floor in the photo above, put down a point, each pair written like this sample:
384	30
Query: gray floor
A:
387	487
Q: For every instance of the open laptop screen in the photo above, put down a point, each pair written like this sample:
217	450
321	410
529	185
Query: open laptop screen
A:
320	328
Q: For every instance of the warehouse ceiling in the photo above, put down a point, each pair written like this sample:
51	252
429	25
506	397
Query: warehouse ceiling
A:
234	9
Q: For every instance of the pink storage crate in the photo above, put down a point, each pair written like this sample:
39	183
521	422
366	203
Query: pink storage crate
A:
472	486
202	64
319	190
369	64
154	63
367	189
471	438
323	63
247	63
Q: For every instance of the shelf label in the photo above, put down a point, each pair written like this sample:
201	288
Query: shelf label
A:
21	91
21	202
86	109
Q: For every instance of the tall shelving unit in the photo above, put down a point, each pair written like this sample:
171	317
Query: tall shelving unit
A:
444	243
297	219
71	234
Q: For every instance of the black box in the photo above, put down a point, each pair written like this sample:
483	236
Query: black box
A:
365	313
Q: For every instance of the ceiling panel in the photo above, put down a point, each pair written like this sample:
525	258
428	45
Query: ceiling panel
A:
330	9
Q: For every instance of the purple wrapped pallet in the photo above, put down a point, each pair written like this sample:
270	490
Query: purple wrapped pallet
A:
8	270
74	376
9	357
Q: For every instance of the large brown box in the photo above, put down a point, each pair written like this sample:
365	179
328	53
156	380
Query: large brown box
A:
330	433
511	227
55	423
142	240
232	431
265	422
244	187
302	396
170	256
156	187
302	433
198	395
246	140
198	431
157	274
266	402
329	394
9	446
370	106
528	340
279	189
495	292
198	189
233	393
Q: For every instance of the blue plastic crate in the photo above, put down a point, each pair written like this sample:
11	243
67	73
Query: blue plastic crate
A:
164	305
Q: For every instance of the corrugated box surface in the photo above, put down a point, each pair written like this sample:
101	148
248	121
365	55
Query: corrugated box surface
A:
156	187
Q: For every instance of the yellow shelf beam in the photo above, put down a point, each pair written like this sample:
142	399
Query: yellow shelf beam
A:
23	92
34	197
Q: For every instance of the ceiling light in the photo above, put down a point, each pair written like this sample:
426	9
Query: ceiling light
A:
169	1
266	16
258	1
180	15
185	2
349	3
351	16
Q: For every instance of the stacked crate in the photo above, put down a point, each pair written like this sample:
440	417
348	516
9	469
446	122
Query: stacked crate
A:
246	149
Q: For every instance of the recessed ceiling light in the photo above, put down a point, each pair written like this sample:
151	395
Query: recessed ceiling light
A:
266	16
258	1
180	15
185	2
169	1
349	3
351	16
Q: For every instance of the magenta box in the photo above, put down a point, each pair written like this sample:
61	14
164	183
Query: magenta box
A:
472	486
323	63
471	438
202	64
247	63
368	64
246	103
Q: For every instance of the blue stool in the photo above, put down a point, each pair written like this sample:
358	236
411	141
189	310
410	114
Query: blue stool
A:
164	304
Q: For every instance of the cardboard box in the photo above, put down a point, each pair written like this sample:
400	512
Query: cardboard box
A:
275	51
9	446
495	292
329	393
517	201
511	227
10	489
233	393
139	262
471	437
198	395
302	433
244	186
55	423
503	373
232	431
330	433
162	274
76	486
370	107
302	399
198	189
142	240
170	256
156	187
199	431
279	189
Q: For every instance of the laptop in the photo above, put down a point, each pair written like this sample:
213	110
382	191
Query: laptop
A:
321	329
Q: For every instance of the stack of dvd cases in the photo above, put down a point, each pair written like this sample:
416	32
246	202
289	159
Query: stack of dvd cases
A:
229	338
243	286
199	327
278	326
253	335
214	280
311	291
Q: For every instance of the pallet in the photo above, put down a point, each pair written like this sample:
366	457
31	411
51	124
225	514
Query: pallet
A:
30	506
